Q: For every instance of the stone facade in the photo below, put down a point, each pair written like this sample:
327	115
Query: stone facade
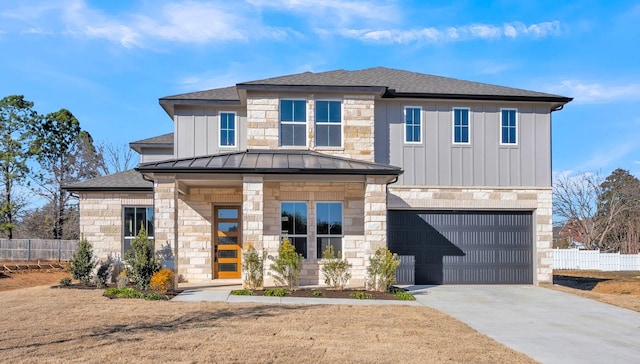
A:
357	117
101	219
537	200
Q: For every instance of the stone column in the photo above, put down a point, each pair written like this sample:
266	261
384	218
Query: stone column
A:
165	211
375	214
252	211
544	237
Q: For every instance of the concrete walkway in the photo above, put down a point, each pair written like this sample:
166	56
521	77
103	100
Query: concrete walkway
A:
547	325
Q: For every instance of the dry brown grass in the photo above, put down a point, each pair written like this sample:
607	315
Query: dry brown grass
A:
17	280
616	288
66	325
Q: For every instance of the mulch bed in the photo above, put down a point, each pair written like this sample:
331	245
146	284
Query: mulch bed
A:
163	296
330	293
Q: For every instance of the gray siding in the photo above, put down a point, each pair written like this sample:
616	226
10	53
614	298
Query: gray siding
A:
155	154
436	161
197	128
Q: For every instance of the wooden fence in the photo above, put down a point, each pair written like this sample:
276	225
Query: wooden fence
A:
594	260
36	249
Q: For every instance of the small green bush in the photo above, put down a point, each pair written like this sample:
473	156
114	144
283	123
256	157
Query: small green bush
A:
82	262
334	269
65	282
316	293
253	268
128	292
381	272
242	292
141	261
286	266
405	296
361	295
275	292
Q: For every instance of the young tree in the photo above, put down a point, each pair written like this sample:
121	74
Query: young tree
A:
16	117
65	154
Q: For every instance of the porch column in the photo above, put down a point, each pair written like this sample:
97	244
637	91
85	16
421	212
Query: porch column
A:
165	211
252	211
375	214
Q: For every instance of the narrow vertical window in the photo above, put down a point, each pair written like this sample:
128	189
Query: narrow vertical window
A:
227	129
412	125
328	226
294	225
509	129
461	126
328	123
293	123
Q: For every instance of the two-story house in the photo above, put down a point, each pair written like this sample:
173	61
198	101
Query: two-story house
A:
455	173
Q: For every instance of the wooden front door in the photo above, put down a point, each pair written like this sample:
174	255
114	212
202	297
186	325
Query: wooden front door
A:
227	239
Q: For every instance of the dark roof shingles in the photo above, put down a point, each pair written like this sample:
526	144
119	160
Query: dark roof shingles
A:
129	180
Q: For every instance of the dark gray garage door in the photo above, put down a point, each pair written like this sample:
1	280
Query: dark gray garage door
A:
453	247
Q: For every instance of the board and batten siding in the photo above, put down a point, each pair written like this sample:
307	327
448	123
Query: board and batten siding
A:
197	130
437	161
155	154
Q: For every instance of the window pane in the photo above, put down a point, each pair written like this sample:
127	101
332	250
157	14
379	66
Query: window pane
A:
286	134
141	219
294	218
228	213
335	112
335	218
335	137
299	135
227	267
300	243
329	218
228	240
286	110
227	253
300	111
322	111
226	227
512	135
322	135
126	246
150	227
129	221
324	242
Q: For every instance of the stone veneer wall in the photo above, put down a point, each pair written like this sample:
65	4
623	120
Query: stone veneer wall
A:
537	200
355	245
357	114
195	231
101	218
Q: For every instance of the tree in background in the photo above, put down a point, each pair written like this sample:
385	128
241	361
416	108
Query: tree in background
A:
117	158
619	207
65	154
16	119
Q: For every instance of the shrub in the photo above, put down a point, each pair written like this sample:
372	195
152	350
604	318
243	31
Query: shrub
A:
381	272
242	292
334	269
105	268
141	262
129	292
122	280
405	296
316	293
275	292
361	295
253	268
65	282
82	262
162	281
287	266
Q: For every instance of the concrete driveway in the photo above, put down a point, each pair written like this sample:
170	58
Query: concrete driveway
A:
547	325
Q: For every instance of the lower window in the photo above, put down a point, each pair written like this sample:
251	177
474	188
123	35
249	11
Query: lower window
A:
329	227
294	225
134	218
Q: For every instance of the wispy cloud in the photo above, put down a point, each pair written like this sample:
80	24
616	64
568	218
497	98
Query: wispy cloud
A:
453	34
595	92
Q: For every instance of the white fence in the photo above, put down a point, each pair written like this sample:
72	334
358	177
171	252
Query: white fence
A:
594	260
36	249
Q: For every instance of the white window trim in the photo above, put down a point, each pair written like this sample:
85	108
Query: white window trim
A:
404	123
315	123
453	125
306	122
235	130
307	235
517	128
315	226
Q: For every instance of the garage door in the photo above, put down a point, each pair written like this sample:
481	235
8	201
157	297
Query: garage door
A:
453	247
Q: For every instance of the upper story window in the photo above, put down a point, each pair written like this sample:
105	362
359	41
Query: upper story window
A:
328	123
294	225
412	125
509	126
293	123
461	126
227	129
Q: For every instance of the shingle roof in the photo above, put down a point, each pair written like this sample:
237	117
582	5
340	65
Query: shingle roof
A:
129	180
160	139
389	82
270	162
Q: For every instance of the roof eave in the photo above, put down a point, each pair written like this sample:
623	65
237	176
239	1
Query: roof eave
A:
314	88
108	189
169	104
442	96
149	169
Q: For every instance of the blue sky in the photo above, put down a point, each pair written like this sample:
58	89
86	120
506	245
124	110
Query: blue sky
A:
108	62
